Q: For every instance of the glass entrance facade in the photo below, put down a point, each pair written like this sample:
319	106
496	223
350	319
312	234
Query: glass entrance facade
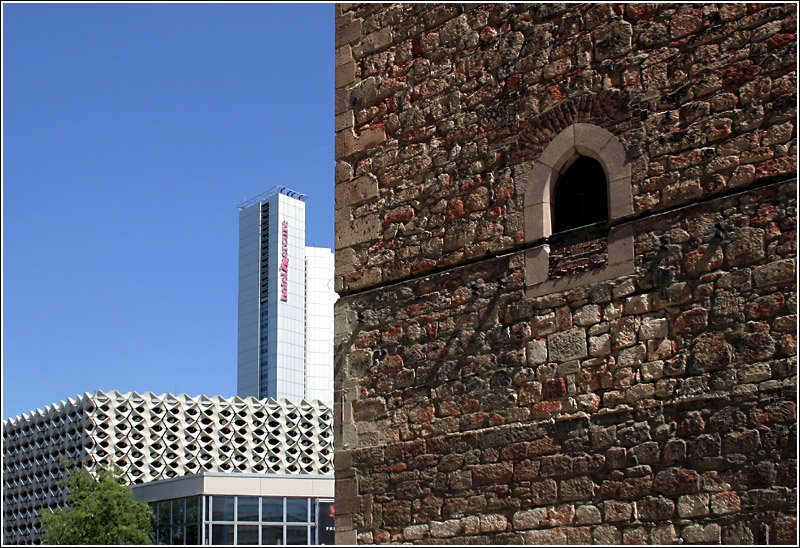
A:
238	519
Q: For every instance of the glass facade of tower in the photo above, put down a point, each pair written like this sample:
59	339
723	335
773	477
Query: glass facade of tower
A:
320	298
275	338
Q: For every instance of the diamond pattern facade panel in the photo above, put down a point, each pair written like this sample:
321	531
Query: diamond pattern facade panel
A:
153	437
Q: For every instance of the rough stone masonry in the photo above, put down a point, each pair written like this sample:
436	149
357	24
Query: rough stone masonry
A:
496	383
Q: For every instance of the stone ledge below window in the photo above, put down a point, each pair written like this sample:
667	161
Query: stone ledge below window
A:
620	262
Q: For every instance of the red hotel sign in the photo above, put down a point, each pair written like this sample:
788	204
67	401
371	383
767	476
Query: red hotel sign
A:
284	269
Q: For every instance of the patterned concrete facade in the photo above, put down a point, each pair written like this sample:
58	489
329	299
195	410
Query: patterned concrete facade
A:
153	437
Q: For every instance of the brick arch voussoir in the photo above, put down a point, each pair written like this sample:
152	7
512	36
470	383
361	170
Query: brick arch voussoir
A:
604	109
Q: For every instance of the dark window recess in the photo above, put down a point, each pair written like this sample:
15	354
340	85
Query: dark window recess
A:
264	252
581	196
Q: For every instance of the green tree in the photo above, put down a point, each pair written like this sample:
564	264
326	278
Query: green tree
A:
100	510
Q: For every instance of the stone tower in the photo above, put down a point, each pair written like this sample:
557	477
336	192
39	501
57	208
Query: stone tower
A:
565	249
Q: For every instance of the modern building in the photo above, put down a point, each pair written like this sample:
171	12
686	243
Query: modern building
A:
286	296
320	298
214	508
210	446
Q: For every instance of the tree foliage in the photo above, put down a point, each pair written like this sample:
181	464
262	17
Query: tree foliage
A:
100	510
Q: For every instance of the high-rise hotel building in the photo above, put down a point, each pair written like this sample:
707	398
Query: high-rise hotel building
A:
286	296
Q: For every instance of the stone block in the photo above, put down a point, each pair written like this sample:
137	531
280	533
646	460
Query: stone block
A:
577	489
526	470
546	536
530	393
727	502
655	509
636	535
702	534
578	535
600	345
544	492
341	104
358	231
349	143
653	328
348	33
776	273
567	345
537	352
745	247
344	55
445	529
615	510
587	514
486	474
587	315
554	389
652	371
710	352
346	536
344	170
589	139
415	532
529	519
355	192
623	333
345	74
493	523
342	122
664	534
638	304
460	480
538	179
374	41
606	535
675	481
613	39
692	506
559	150
633	356
691	321
746	441
471	525
783	531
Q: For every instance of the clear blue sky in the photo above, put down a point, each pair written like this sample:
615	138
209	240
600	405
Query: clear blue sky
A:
130	134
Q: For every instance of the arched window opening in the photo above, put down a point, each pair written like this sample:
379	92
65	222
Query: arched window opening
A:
580	199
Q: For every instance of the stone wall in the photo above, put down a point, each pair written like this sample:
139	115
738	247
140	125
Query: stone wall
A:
658	406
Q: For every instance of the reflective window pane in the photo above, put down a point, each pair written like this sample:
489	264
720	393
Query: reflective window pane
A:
297	510
177	511
271	509
221	534
192	510
325	519
248	508
177	535
296	535
247	534
272	534
222	509
163	514
192	534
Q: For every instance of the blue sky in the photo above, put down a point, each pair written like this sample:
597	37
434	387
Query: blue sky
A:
130	134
